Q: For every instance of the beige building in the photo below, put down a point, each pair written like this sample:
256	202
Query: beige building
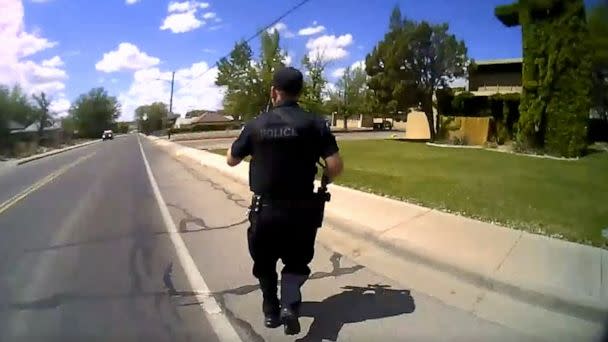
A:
502	76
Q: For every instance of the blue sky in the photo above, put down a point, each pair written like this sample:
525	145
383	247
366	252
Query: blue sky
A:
81	32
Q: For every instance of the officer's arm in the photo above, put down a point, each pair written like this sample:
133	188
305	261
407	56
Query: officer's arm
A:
232	160
240	148
334	165
330	152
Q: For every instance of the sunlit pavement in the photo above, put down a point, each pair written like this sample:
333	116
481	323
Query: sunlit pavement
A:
87	256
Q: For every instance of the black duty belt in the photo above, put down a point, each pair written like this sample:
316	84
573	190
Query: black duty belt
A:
284	202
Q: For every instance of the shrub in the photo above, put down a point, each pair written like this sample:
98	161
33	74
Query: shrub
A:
556	74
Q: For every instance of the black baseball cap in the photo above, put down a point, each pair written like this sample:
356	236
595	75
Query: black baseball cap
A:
289	80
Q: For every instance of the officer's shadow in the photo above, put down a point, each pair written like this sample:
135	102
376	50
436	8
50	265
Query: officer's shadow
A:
356	304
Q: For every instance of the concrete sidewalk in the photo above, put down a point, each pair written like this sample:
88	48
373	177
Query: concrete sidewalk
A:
558	275
53	152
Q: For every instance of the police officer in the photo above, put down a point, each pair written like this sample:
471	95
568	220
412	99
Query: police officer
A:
285	144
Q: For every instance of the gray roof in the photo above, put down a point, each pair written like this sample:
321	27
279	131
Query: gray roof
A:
210	117
36	125
14	125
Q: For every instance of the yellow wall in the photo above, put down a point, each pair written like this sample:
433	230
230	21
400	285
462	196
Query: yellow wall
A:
474	130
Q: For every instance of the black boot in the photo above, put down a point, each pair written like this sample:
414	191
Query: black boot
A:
290	320
291	298
270	304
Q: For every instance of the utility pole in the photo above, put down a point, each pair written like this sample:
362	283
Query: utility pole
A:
164	119
171	100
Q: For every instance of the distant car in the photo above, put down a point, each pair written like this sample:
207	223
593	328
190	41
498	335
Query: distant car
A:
107	135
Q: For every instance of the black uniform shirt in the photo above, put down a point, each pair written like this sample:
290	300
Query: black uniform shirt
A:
284	148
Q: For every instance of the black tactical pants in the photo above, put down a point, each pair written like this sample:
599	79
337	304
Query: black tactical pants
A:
281	233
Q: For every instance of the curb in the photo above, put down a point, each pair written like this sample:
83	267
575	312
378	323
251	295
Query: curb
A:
571	305
51	153
553	299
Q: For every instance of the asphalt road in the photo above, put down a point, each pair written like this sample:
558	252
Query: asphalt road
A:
222	143
87	257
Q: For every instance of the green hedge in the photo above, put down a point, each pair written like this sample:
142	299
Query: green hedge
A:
556	76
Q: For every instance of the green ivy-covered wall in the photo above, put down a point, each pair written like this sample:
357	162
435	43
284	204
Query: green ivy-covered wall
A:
556	74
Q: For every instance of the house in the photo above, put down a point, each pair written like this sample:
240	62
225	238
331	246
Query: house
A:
52	133
172	119
211	119
14	126
490	77
206	119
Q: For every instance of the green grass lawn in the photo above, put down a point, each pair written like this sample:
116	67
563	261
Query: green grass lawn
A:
566	199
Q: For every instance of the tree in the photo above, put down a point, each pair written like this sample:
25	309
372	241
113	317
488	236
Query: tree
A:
44	115
15	106
556	75
271	59
598	30
314	83
350	94
248	81
150	117
94	112
412	61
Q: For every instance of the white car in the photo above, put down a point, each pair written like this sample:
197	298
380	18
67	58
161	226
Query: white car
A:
107	134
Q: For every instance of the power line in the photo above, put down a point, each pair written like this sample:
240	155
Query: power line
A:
259	32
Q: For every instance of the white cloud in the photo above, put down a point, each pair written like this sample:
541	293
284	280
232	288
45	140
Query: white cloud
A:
312	30
126	57
288	60
329	48
131	2
194	89
182	22
358	64
183	16
339	72
60	106
176	6
54	62
282	29
17	45
209	15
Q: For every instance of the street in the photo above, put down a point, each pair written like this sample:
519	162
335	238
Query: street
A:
86	254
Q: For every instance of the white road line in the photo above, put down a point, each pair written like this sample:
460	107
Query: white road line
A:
218	320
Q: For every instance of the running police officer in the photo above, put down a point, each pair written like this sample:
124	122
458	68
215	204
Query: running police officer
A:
285	144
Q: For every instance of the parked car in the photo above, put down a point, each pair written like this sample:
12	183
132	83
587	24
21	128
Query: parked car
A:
381	126
108	134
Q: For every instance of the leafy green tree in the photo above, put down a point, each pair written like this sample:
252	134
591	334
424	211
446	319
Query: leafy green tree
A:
68	125
150	117
556	75
315	82
598	30
412	61
350	94
236	73
248	81
43	113
15	106
94	112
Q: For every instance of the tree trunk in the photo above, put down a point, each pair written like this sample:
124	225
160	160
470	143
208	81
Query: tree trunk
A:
345	123
427	107
41	127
